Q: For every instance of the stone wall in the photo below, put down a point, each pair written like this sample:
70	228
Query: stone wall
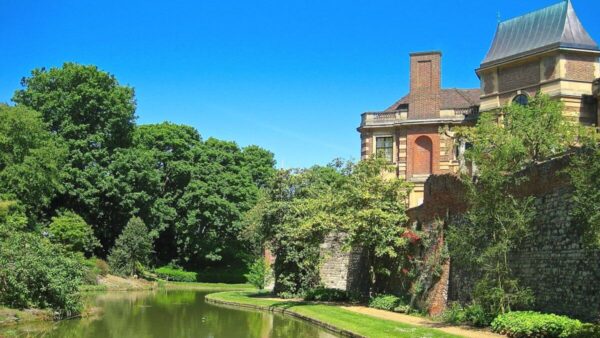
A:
342	268
553	262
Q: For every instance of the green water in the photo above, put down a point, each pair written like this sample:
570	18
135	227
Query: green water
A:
167	314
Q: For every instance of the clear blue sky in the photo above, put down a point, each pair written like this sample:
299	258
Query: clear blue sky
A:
290	76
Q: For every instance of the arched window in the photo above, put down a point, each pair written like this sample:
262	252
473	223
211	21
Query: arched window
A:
423	156
521	99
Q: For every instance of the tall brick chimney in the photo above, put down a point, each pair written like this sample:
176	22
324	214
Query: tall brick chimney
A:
425	85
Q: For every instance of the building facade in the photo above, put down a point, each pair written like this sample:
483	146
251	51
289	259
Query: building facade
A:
407	133
546	50
549	51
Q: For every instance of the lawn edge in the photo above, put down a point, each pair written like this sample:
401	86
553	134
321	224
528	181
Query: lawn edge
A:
210	298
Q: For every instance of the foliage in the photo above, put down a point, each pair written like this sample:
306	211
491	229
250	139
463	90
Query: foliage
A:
37	273
534	324
498	218
171	273
322	294
584	172
94	115
385	302
30	160
586	331
70	230
302	207
454	314
259	273
223	274
473	314
132	249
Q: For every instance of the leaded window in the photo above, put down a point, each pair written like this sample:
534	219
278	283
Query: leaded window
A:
384	148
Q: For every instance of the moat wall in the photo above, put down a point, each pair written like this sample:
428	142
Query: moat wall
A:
553	262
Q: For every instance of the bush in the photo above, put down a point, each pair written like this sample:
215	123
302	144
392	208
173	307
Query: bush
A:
521	324
385	302
132	249
454	314
586	331
36	273
477	316
174	274
259	273
102	267
70	230
322	294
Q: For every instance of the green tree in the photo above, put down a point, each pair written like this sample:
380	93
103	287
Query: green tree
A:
30	160
94	115
354	199
504	144
70	230
132	249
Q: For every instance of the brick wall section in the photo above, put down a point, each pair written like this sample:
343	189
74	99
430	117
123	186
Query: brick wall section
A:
519	76
580	67
564	276
425	85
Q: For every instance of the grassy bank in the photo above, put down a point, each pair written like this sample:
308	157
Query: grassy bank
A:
115	283
12	316
330	316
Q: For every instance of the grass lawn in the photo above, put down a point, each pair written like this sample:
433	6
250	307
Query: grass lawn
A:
332	315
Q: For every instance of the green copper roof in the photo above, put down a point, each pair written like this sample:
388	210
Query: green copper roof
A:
549	28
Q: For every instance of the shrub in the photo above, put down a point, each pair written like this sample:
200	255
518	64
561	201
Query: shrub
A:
70	230
259	273
385	302
36	273
102	267
521	324
322	294
132	249
174	274
586	331
477	316
454	314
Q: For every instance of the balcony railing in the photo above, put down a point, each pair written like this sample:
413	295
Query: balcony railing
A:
382	119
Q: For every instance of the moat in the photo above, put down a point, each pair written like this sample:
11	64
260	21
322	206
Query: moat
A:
172	314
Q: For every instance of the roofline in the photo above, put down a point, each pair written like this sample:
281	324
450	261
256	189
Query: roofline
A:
426	53
541	50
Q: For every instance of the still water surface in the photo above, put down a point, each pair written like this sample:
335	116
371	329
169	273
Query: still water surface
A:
166	314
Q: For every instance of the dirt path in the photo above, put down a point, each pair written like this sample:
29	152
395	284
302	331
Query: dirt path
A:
417	321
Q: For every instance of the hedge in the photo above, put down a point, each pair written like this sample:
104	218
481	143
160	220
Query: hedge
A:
177	275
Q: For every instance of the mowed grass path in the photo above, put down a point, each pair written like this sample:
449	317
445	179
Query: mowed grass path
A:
356	323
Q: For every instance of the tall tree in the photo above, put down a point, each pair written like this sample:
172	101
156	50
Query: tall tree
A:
94	114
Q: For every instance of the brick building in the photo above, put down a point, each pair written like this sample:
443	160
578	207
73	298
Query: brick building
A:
408	134
546	50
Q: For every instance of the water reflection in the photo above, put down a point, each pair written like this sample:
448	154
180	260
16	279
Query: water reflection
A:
168	314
